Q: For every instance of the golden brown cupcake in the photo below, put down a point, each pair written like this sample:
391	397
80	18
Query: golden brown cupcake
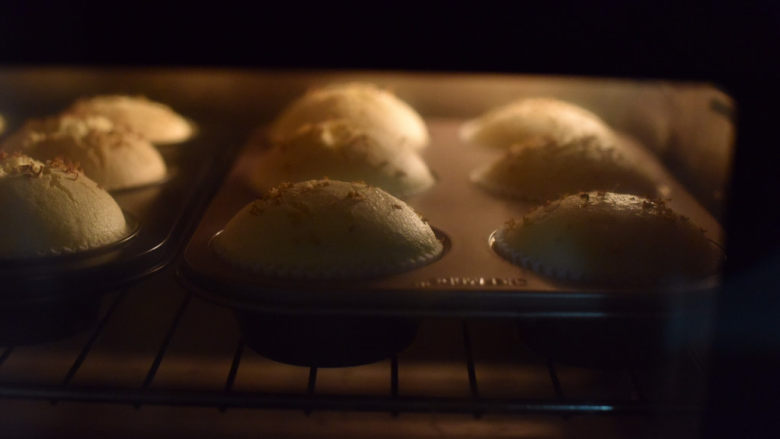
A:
366	105
154	120
111	155
50	209
323	229
527	118
608	238
340	150
543	169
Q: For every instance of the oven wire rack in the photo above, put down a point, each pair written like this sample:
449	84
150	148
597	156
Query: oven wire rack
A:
634	399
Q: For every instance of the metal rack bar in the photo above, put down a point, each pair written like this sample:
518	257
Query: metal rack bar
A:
166	341
696	357
231	378
91	340
339	402
554	378
310	386
394	380
6	353
472	372
636	385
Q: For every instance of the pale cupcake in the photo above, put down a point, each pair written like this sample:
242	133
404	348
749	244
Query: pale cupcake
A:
543	169
153	120
526	118
111	155
609	238
50	209
366	105
340	150
325	229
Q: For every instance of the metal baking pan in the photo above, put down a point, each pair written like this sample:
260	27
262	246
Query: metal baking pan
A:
469	280
162	213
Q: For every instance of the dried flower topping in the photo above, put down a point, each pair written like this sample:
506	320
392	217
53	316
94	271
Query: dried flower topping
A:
30	170
255	210
354	195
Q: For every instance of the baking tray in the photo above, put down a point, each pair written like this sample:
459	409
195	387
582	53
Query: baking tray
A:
162	215
469	280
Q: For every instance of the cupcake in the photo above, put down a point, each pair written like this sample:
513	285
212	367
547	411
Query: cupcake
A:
611	239
323	229
341	150
109	154
50	209
2	124
155	121
542	169
366	105
532	117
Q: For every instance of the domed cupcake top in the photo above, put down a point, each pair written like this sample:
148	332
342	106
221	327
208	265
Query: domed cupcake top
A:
366	105
327	229
109	154
609	238
340	150
53	208
154	120
526	118
543	169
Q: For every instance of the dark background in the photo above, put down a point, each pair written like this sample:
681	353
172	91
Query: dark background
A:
597	38
731	44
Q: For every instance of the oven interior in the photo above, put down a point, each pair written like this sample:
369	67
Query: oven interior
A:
152	344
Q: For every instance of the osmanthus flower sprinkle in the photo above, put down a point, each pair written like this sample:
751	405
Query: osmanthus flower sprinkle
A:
153	120
543	169
51	208
527	118
364	104
609	238
343	150
327	229
110	154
